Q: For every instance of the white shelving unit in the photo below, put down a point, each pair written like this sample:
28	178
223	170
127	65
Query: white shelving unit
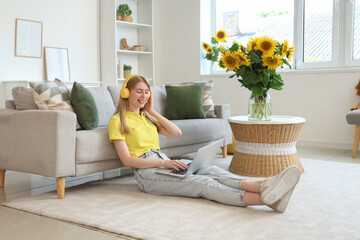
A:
138	32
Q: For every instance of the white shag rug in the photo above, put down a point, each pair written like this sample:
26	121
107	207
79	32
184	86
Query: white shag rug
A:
324	205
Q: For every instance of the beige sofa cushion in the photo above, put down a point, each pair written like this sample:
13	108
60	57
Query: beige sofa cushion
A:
104	104
115	93
93	146
195	131
159	99
23	98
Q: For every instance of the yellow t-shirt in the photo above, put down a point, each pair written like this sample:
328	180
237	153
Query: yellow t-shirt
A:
143	136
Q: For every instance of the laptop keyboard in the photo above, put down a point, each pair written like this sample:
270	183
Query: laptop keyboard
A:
180	172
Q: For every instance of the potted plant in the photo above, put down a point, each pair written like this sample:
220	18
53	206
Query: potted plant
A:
127	70
123	13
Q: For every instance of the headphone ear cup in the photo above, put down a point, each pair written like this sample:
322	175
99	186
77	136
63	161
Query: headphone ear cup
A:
125	93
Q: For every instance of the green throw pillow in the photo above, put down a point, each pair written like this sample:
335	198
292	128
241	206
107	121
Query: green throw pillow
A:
85	107
184	102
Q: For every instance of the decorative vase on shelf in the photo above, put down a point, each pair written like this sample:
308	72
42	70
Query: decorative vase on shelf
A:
259	107
127	73
120	70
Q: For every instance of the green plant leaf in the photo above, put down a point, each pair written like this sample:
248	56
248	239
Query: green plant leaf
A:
214	41
234	47
254	57
257	89
249	77
276	82
287	63
241	70
265	80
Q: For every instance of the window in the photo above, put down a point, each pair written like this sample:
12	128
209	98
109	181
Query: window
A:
243	20
318	21
356	31
326	33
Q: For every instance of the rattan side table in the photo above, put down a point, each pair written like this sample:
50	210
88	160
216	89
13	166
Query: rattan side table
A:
265	148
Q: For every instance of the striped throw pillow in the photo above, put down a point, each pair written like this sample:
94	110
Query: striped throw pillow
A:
208	103
51	96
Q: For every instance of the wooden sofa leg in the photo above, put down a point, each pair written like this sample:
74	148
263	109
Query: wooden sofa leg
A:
224	151
2	178
60	185
356	140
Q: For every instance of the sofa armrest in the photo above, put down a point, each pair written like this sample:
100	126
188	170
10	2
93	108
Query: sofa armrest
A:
223	111
38	141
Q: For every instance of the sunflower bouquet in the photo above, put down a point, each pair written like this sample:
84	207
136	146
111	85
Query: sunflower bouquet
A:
256	64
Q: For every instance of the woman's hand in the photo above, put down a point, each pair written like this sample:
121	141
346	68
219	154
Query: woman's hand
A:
175	164
165	127
149	106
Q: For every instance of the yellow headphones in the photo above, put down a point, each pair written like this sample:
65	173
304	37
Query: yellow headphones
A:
125	92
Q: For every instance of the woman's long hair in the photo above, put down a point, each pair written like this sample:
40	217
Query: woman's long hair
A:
123	105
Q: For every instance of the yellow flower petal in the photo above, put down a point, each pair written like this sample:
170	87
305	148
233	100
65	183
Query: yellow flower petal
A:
252	44
266	45
209	50
231	62
243	59
205	45
272	62
220	36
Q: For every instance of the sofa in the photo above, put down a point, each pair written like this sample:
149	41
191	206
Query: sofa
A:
47	143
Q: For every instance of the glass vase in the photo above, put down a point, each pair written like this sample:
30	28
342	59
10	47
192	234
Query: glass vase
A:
259	107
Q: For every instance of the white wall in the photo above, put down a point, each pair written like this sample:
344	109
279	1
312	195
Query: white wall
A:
322	98
176	40
72	24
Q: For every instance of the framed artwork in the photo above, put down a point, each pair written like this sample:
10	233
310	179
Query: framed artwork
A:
57	63
28	38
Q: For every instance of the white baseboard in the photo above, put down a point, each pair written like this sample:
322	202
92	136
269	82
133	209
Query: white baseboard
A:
324	144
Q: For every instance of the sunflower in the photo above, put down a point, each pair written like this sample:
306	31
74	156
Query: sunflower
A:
220	36
291	52
285	48
243	59
242	48
221	64
222	49
252	44
272	62
209	50
230	61
205	45
266	45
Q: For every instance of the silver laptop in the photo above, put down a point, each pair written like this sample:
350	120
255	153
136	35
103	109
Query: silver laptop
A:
203	157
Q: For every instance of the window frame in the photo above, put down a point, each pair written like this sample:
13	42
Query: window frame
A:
349	36
299	23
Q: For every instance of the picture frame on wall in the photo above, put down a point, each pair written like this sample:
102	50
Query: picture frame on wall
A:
57	64
28	38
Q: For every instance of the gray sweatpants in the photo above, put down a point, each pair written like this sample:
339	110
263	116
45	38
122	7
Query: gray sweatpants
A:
210	182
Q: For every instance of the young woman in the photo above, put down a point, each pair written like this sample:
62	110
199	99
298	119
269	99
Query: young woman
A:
136	141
